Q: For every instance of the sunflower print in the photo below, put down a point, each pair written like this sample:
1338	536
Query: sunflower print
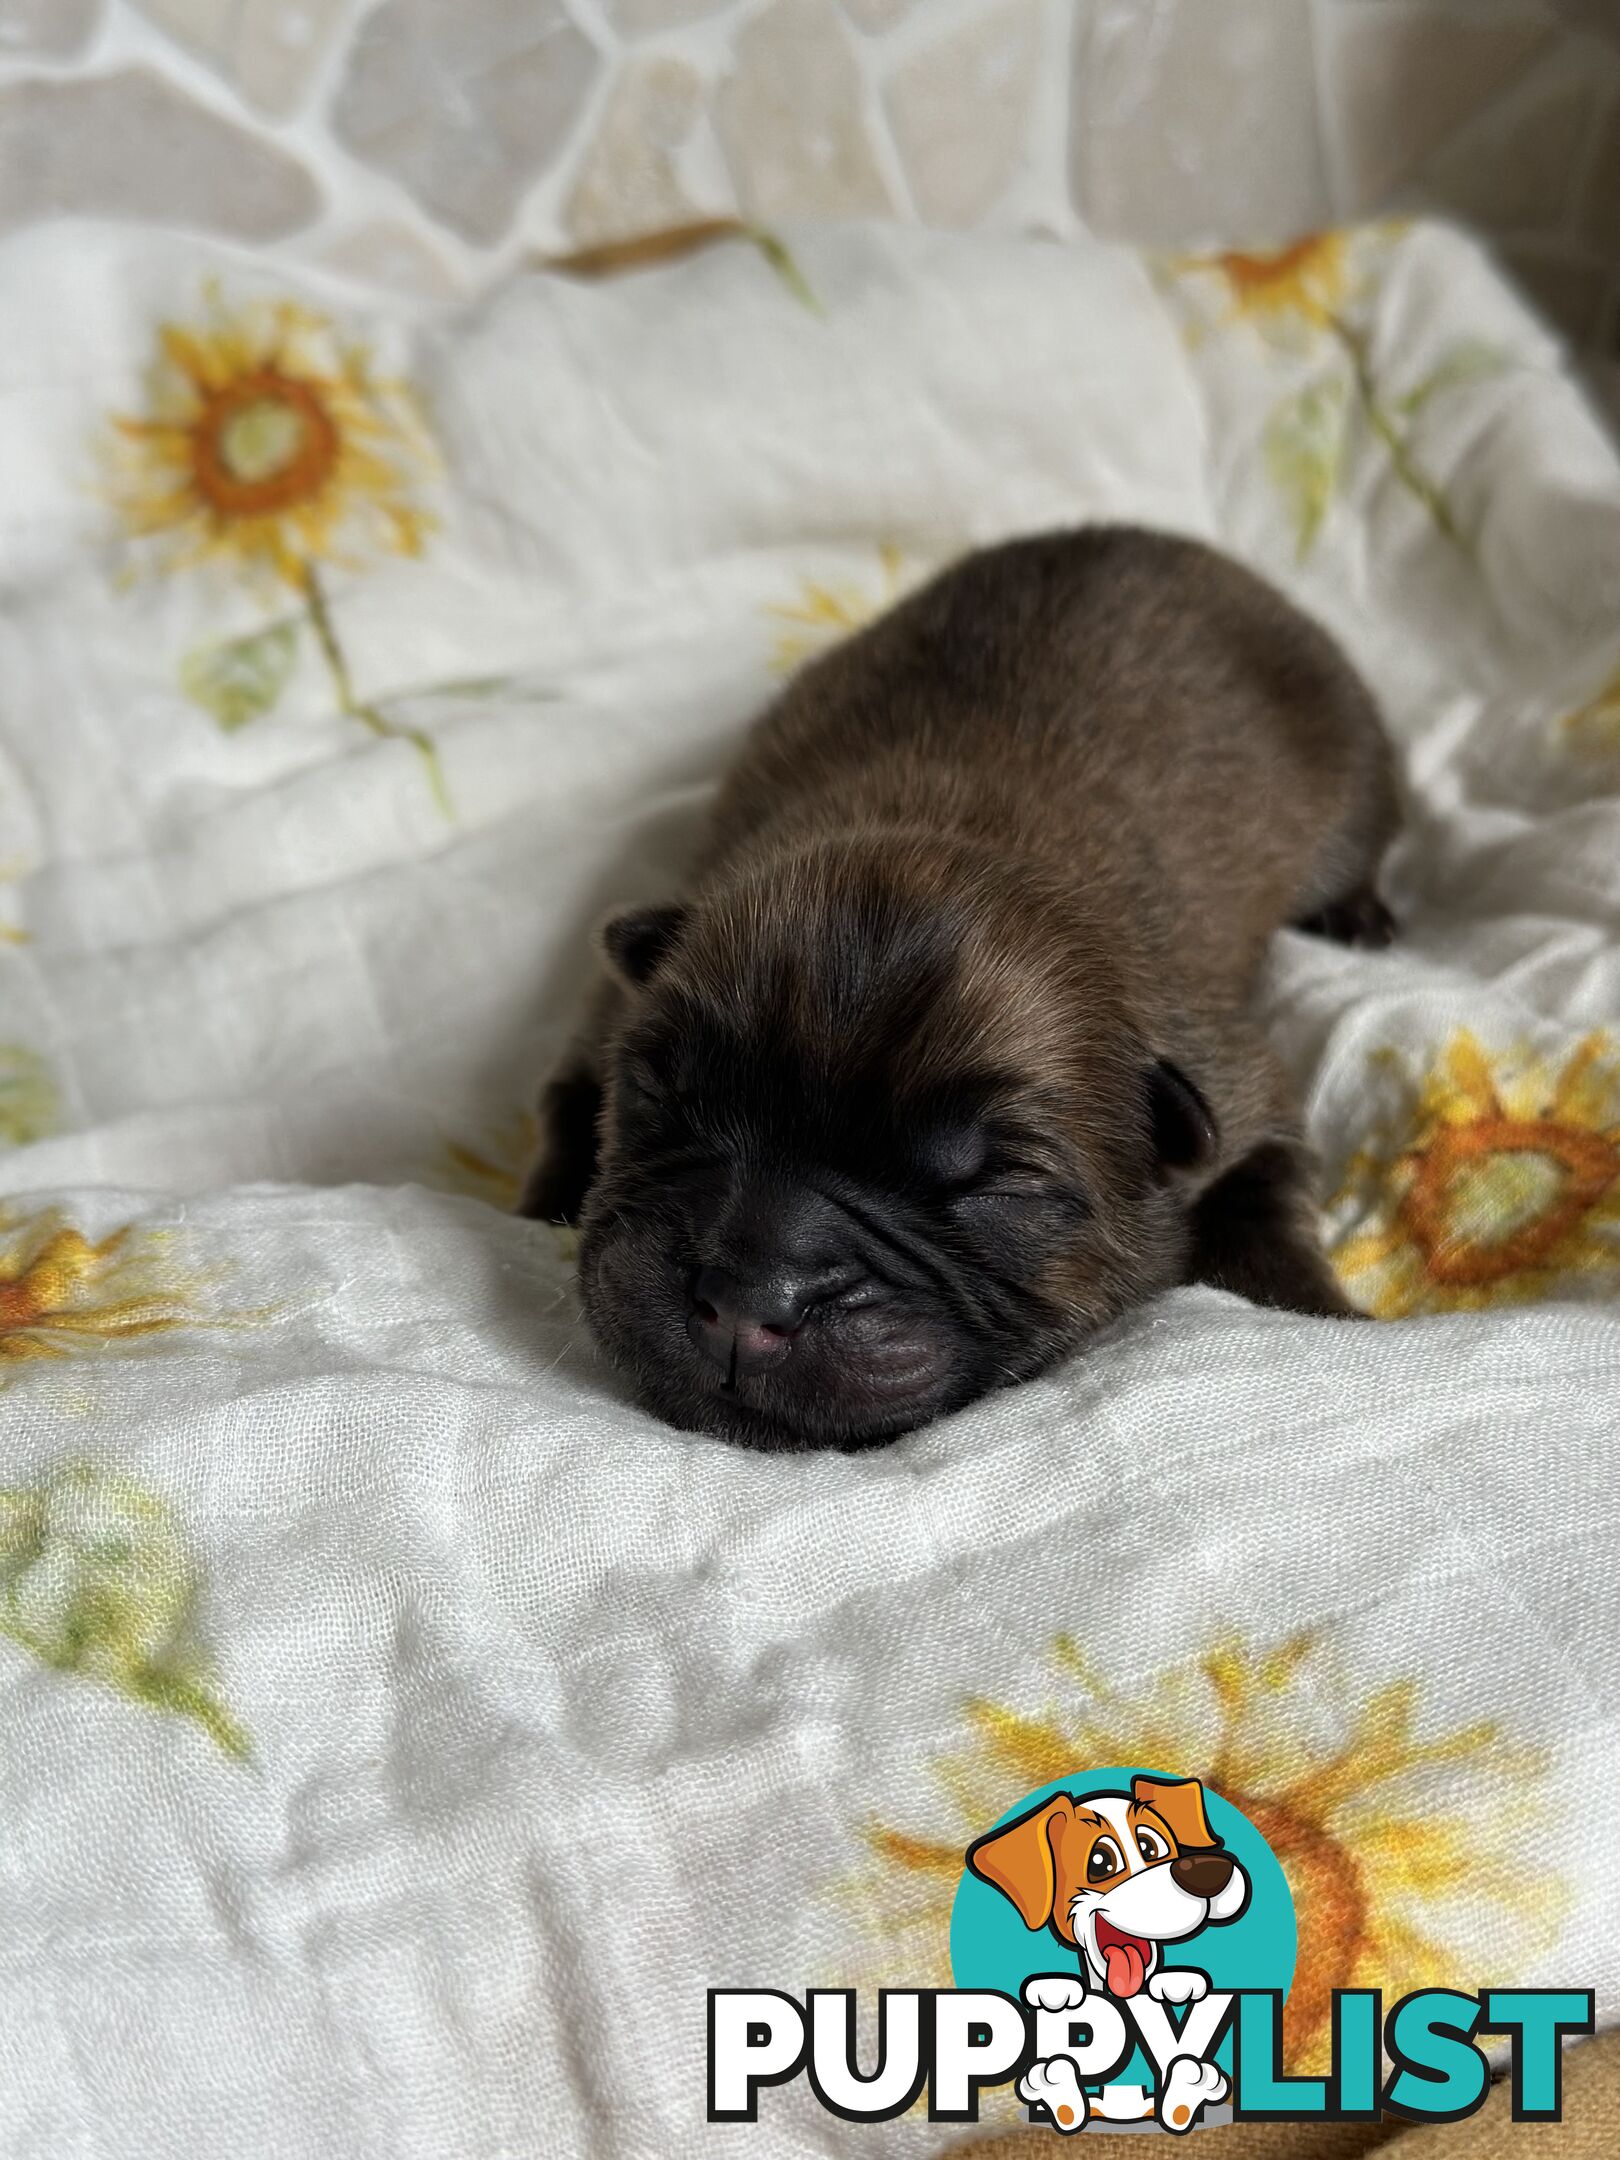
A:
822	615
1336	1780
1499	1186
1302	285
1304	301
62	1293
96	1581
271	443
271	447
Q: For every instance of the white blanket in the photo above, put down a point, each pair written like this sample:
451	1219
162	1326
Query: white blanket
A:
401	1732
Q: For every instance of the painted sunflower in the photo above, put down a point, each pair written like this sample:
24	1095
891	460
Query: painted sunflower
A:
1305	282
1336	1780
271	445
271	442
1502	1185
1305	302
61	1292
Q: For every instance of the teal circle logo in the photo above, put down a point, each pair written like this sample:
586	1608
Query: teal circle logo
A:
1120	1875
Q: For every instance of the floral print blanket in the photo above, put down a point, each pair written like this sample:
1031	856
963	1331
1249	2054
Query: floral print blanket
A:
401	1732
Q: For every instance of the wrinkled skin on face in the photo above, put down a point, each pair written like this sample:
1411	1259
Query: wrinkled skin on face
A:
856	1168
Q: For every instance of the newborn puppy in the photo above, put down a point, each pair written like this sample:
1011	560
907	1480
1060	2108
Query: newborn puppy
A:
946	1056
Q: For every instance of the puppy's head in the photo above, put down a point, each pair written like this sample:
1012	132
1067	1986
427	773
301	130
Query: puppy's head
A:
1115	1875
880	1133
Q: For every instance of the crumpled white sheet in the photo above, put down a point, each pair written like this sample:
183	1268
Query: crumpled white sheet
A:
401	1731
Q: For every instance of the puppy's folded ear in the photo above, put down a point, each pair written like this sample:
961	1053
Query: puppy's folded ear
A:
635	940
1185	1134
1021	1861
1180	1803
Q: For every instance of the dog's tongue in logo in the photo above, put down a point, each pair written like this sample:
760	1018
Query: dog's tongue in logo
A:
1125	1958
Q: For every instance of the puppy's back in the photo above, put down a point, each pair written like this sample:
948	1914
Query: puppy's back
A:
1132	708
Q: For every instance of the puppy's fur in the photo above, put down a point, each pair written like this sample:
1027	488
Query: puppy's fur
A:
946	1058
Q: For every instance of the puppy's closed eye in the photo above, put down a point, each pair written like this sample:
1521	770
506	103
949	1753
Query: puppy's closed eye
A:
955	1137
1019	1215
1016	1189
950	1157
979	1175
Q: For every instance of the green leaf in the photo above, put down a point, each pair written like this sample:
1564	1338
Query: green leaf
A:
1303	448
239	678
97	1580
1473	360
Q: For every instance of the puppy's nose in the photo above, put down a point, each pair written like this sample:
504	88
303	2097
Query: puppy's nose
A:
744	1325
1203	1874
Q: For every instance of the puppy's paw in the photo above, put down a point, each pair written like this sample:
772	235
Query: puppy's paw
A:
1055	2086
1055	1991
1178	1984
1189	2087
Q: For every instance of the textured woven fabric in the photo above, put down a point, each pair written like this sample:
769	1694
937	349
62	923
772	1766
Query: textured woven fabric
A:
401	1731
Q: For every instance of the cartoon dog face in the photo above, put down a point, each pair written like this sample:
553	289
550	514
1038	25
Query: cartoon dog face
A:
1114	1875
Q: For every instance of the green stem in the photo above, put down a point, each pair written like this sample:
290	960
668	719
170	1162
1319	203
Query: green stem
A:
320	616
1407	469
776	253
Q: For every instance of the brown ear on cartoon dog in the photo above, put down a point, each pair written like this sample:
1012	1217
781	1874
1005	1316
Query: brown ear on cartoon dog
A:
1179	1803
1025	1863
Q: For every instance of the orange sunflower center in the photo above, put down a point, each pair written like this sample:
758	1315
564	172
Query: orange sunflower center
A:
264	443
1498	1195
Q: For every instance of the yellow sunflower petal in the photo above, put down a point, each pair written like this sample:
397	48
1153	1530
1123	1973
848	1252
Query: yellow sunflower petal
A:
1584	1090
1469	1071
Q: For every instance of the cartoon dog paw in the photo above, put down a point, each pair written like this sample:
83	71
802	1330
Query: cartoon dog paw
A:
1055	1991
1054	2085
1189	2087
1178	1984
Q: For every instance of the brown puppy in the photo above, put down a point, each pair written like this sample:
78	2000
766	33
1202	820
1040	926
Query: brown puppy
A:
947	1057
